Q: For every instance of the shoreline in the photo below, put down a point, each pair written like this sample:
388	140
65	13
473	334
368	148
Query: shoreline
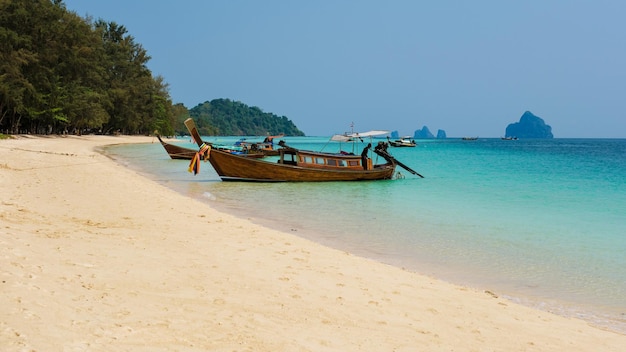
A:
101	257
602	317
228	199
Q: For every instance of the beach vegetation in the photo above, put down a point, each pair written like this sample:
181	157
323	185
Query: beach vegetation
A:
60	73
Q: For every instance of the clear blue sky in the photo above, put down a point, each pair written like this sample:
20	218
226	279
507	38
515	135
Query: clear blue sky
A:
467	67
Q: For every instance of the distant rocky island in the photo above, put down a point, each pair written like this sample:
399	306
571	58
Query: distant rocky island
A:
424	133
529	126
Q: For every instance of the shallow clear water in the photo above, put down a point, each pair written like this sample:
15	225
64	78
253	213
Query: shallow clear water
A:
540	221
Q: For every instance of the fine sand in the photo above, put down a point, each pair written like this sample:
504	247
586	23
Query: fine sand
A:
95	257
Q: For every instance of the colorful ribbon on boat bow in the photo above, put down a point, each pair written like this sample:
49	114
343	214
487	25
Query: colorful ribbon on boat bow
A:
194	165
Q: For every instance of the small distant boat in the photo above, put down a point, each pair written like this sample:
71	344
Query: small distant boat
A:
469	138
402	142
295	165
509	138
180	153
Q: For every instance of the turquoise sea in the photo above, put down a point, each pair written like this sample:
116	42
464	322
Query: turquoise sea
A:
541	222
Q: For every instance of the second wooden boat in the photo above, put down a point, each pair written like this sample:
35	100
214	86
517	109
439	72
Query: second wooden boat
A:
177	152
181	153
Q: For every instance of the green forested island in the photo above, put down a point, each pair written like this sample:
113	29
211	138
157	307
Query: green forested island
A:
224	117
60	73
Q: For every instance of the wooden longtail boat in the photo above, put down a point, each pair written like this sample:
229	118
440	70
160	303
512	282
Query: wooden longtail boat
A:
177	152
296	165
181	153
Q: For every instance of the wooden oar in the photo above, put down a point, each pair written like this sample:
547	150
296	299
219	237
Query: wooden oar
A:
390	158
406	167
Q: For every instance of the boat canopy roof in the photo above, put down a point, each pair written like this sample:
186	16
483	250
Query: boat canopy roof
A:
349	136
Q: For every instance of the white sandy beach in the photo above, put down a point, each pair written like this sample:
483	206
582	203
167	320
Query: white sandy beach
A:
98	258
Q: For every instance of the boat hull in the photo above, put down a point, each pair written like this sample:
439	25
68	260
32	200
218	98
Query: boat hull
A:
176	152
402	144
236	168
181	153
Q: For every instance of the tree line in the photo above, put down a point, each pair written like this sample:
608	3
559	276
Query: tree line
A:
61	73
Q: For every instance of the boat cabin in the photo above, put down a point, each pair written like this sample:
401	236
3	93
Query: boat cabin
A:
322	160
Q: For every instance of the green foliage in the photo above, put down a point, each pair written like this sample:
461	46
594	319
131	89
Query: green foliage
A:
60	72
224	117
63	73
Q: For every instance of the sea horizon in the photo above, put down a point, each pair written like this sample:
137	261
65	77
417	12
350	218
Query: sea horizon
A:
536	221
